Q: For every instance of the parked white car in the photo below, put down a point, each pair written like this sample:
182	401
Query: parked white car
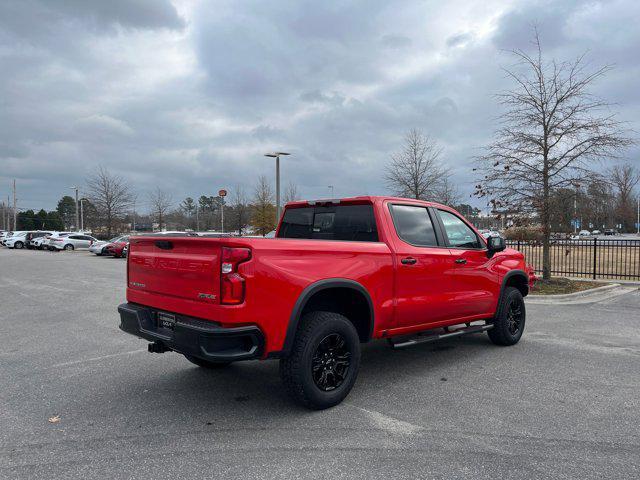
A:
75	241
11	234
17	240
584	233
39	242
33	236
4	235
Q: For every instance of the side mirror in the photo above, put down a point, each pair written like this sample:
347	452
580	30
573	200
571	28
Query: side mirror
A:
495	244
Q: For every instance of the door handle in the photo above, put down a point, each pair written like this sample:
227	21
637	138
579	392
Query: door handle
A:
461	260
408	261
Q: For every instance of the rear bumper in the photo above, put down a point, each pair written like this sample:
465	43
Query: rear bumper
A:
191	336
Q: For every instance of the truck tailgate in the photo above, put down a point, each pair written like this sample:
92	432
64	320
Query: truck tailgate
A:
181	267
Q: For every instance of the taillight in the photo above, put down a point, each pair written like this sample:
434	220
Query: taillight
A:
231	282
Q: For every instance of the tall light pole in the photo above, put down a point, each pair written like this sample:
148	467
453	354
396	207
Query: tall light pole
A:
77	209
575	209
15	206
276	155
222	193
81	216
133	216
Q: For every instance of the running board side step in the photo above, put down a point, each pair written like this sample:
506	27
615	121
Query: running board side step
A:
433	337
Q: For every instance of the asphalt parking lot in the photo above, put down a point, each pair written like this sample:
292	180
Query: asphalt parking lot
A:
563	403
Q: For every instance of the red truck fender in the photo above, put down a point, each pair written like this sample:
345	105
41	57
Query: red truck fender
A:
515	278
362	304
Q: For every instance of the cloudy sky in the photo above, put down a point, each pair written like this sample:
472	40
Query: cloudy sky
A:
188	95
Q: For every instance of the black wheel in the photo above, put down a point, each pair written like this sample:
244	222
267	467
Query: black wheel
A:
509	321
68	246
18	245
206	364
323	364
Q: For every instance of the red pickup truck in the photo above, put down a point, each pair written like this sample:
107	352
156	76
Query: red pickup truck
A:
339	273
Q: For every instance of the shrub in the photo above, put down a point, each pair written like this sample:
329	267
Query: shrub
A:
523	233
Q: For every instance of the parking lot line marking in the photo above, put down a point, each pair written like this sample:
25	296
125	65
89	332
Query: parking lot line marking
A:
96	359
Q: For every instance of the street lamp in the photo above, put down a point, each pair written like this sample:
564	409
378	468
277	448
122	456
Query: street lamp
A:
77	210
276	155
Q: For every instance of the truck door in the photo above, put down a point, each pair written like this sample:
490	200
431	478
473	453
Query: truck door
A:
424	268
476	287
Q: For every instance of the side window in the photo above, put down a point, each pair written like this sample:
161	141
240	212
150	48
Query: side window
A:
75	237
460	235
414	225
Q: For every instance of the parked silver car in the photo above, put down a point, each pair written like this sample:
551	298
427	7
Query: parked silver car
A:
44	243
75	241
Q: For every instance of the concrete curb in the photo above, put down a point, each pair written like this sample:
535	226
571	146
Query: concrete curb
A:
593	295
624	283
581	294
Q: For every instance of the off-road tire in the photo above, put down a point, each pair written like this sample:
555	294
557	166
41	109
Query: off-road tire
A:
502	332
206	364
296	369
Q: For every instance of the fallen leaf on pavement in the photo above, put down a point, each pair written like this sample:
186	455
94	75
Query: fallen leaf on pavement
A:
55	419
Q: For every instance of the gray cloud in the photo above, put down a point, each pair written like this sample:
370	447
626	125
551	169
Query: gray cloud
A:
459	39
189	95
395	41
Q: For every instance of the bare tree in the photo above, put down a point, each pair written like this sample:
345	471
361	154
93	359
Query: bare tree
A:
160	201
447	192
291	192
111	196
240	209
416	171
264	210
624	179
551	131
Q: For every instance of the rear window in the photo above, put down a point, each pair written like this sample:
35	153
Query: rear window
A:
334	222
414	225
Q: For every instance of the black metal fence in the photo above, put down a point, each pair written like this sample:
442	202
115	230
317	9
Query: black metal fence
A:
590	258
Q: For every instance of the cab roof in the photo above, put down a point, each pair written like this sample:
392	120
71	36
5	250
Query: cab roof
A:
373	199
